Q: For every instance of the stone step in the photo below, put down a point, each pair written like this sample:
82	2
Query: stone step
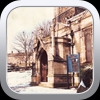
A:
46	84
52	85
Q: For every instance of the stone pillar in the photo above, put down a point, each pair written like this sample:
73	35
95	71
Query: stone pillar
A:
38	72
36	75
51	59
33	76
53	39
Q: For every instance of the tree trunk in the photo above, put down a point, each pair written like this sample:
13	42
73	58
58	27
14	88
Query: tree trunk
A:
25	59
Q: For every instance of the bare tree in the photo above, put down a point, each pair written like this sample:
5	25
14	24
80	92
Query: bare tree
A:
24	43
30	48
45	25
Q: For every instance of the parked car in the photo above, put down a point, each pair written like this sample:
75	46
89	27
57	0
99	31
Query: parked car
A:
9	67
17	68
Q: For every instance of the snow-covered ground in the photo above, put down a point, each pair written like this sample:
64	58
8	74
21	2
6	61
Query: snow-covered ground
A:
19	82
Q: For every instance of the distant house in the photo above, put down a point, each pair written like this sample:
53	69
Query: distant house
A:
18	59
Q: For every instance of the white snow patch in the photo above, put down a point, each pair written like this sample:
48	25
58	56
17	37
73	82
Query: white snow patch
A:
20	82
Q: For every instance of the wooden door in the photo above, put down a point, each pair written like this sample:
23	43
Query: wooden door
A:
44	73
44	66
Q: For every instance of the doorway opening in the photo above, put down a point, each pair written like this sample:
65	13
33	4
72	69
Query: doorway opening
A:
43	66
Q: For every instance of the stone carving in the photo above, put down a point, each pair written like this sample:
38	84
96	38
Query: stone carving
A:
69	13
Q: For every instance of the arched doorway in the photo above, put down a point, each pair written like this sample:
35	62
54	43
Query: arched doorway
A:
43	66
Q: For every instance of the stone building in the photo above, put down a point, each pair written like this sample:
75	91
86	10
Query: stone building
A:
18	59
50	52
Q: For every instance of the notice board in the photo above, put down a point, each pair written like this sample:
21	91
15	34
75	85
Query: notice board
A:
73	63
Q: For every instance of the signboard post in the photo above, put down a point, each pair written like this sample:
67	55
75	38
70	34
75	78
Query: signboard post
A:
73	64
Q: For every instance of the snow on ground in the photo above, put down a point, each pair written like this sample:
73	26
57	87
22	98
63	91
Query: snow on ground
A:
19	82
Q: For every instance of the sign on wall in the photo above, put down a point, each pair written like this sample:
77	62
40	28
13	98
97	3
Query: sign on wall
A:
73	63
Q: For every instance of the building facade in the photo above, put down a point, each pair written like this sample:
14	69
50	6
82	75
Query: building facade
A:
18	59
50	52
49	57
